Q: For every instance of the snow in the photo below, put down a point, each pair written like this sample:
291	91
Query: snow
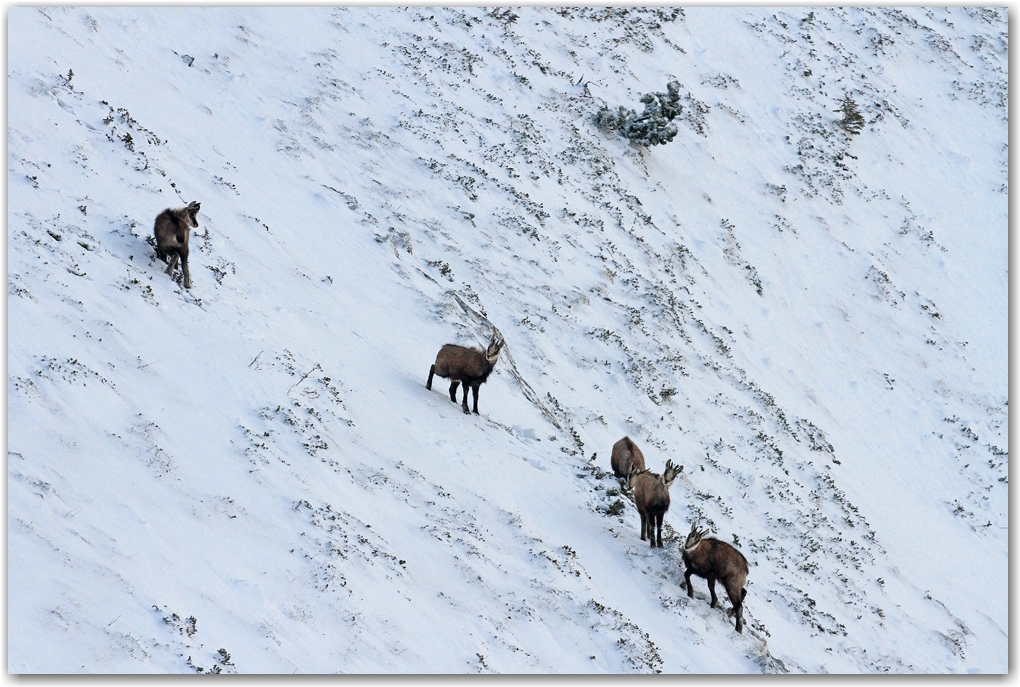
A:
813	324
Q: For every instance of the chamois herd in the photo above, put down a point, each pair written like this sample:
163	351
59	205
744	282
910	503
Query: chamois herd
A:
702	556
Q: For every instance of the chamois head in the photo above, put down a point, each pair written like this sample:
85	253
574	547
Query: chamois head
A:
191	213
492	351
694	538
634	474
670	473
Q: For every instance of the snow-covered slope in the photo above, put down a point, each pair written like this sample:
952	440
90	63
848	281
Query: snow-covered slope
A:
812	323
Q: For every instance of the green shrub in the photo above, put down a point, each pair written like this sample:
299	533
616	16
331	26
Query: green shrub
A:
852	121
654	126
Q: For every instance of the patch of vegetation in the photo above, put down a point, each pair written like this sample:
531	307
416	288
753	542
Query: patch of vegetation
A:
853	120
654	126
615	508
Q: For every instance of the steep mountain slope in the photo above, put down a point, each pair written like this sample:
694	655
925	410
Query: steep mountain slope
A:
250	475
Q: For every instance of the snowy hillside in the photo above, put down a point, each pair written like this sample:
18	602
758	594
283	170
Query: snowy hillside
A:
250	476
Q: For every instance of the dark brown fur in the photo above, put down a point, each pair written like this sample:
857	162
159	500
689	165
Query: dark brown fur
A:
173	230
716	560
651	496
465	365
626	454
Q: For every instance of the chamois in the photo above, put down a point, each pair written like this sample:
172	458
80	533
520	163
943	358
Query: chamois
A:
467	365
716	560
651	496
625	454
173	229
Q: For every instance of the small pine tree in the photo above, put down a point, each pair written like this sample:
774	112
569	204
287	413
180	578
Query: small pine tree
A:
853	121
653	126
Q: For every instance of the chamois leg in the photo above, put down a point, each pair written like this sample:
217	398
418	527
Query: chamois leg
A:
466	388
711	588
171	264
737	599
183	251
743	593
428	384
453	390
690	587
658	527
644	521
474	390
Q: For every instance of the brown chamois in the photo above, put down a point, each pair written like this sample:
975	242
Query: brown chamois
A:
469	366
626	454
716	560
173	229
651	496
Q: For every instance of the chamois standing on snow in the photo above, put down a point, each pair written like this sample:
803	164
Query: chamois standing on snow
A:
716	560
651	496
469	366
626	454
173	229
